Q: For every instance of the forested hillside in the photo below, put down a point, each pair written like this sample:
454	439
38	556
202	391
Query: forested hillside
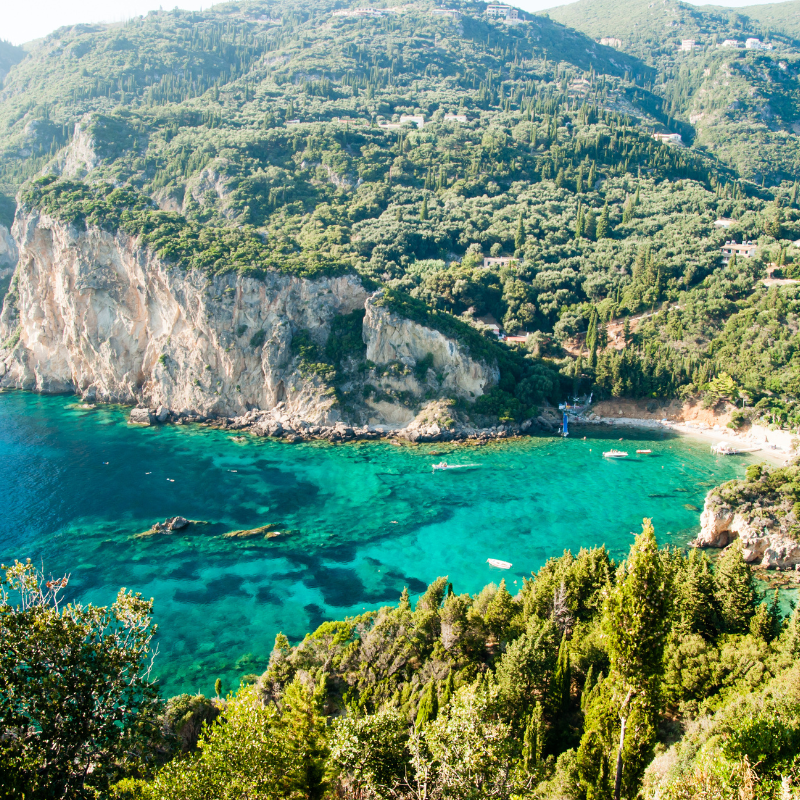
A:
660	676
256	136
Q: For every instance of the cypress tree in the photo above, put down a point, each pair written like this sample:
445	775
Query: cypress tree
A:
423	213
736	592
562	681
519	239
603	226
448	692
533	740
428	705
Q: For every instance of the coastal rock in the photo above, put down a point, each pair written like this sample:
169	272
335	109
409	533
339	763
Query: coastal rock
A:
141	416
763	541
93	308
391	338
8	253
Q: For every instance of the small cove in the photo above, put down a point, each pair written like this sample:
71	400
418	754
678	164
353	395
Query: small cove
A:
360	521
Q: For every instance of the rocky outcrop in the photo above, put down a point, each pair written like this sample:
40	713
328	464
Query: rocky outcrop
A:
94	312
393	339
8	253
764	542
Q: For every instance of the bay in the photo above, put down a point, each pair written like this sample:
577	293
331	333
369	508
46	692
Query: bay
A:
358	522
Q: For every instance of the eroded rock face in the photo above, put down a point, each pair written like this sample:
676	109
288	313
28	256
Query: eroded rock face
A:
95	313
391	338
763	541
8	252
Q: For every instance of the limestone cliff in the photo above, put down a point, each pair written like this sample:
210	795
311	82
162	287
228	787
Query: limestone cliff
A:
393	339
8	253
93	312
765	537
97	313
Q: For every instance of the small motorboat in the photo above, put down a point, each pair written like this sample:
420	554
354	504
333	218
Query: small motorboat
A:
644	452
615	454
496	562
442	465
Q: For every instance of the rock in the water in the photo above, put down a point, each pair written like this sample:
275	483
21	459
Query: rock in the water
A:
141	416
177	523
162	415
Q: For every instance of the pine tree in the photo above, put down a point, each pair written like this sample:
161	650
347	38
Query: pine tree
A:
697	604
736	593
500	612
428	705
636	623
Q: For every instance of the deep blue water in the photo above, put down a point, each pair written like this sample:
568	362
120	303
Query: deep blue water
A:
363	520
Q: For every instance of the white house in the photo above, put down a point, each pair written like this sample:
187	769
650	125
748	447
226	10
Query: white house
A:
501	10
446	12
688	45
455	118
745	250
756	44
498	261
731	43
668	138
724	222
417	119
610	41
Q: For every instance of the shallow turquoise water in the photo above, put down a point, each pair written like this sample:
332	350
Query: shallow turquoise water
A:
365	519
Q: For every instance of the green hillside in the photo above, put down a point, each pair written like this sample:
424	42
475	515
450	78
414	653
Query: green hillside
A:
255	136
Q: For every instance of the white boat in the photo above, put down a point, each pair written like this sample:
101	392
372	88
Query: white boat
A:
496	562
724	449
615	454
444	465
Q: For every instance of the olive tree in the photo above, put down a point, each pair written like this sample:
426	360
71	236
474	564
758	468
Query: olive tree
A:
77	703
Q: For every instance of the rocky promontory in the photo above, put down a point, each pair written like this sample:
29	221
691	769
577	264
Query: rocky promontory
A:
762	512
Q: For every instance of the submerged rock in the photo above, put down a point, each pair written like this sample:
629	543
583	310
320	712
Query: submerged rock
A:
262	531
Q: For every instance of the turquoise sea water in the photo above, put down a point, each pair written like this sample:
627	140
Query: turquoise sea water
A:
365	520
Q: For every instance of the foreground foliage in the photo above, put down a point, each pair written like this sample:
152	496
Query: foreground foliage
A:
660	675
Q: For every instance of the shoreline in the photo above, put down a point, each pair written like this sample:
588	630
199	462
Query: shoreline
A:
277	424
776	457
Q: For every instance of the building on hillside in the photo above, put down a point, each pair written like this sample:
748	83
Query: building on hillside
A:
797	243
731	43
610	41
455	118
500	10
417	119
452	13
362	12
390	126
668	138
688	45
491	324
756	44
497	261
724	222
743	250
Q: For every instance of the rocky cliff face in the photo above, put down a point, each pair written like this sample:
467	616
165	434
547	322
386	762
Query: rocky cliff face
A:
8	253
764	542
96	313
93	312
393	339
